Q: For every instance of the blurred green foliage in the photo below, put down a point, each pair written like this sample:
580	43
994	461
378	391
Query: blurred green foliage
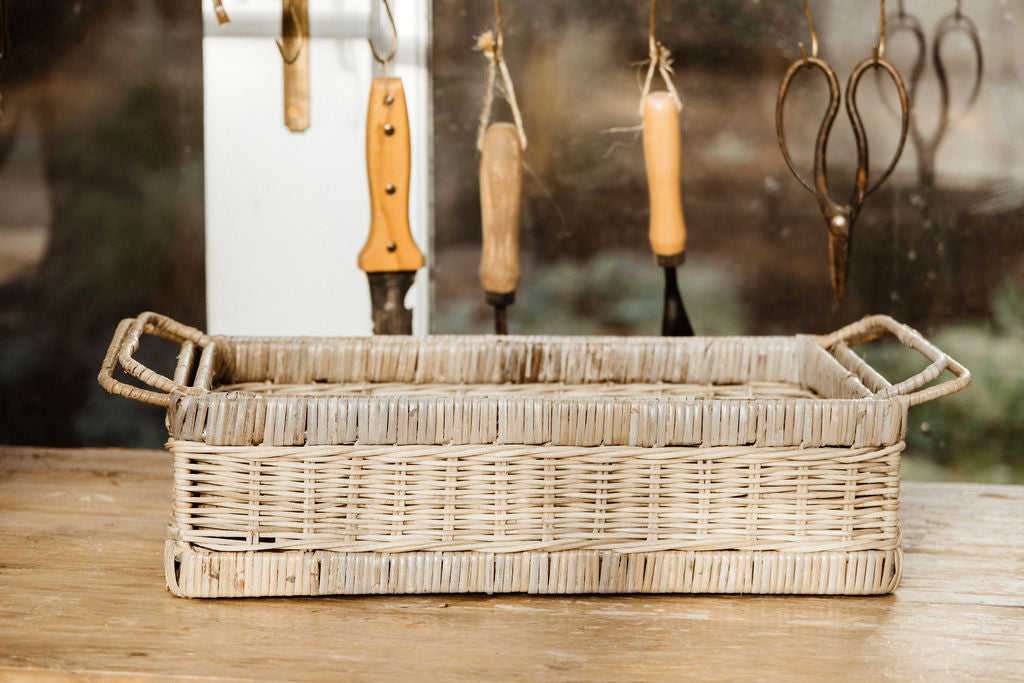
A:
613	293
977	434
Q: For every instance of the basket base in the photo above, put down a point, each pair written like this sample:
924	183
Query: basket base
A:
197	573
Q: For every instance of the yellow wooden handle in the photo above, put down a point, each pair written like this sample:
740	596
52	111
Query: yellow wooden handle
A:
390	246
501	181
662	156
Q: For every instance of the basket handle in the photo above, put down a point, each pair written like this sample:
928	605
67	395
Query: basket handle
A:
875	326
125	343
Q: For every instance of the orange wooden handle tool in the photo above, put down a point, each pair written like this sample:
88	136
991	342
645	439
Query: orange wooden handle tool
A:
389	246
667	231
501	182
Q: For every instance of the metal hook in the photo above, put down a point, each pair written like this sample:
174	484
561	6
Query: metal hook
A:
879	50
301	35
959	9
814	34
394	39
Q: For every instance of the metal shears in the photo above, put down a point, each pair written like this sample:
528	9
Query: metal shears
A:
839	218
956	21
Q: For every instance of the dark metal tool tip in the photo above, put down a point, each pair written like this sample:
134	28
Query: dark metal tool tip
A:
500	320
674	321
387	296
839	262
500	301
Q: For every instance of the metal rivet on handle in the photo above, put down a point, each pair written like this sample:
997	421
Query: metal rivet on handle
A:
389	188
389	99
392	246
389	129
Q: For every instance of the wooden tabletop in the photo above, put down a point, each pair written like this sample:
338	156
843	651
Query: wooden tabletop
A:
82	595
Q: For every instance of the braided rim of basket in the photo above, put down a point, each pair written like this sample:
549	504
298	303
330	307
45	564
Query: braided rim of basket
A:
128	336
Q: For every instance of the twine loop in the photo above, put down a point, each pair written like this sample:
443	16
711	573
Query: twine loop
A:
490	43
384	60
659	59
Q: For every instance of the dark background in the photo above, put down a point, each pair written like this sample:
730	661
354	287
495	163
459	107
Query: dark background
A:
101	205
101	196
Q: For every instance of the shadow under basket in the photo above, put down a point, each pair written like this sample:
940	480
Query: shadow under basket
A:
450	464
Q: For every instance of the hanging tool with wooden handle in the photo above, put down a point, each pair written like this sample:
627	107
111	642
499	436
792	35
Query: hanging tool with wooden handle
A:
501	181
501	148
390	257
294	48
667	230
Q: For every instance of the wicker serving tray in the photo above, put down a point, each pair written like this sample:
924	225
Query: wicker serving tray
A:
310	466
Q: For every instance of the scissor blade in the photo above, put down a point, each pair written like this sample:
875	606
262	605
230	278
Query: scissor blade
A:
839	262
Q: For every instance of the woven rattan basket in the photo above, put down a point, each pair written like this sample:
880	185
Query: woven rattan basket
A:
307	466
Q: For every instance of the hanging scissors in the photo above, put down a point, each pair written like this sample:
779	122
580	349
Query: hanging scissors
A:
956	21
839	218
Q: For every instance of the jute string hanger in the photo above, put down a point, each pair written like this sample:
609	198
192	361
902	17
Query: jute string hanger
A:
491	44
384	60
659	58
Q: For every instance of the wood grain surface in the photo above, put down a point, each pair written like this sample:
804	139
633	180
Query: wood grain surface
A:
663	158
389	246
295	51
501	184
82	596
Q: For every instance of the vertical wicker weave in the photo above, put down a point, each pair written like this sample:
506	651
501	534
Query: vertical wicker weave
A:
308	466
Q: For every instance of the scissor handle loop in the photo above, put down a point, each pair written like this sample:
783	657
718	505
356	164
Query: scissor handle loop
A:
835	97
908	23
858	127
951	23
